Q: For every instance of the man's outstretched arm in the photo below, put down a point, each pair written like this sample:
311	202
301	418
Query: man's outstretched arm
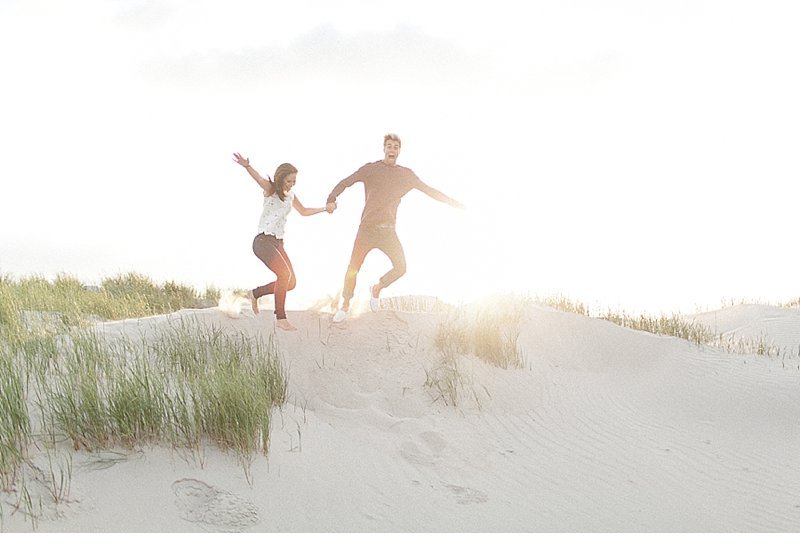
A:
439	196
340	187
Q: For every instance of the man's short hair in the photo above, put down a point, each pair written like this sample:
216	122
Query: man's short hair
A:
391	136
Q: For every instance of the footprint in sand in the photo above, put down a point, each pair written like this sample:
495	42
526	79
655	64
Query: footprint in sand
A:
432	445
213	507
411	453
467	495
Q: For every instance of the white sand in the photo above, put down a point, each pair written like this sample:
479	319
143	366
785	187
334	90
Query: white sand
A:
606	429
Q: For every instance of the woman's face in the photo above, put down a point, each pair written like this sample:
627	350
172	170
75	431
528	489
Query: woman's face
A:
289	181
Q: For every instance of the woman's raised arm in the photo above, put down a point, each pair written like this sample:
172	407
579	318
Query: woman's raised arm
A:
265	183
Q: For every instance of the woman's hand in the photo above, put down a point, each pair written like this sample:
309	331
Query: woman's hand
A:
243	161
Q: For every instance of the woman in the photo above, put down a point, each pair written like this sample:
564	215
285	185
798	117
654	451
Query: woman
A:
268	244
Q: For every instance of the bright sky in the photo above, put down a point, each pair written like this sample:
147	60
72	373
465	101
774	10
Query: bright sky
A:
636	154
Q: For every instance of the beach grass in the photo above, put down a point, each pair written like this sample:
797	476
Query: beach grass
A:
15	423
794	303
180	386
157	299
231	384
488	329
128	295
668	325
563	303
679	326
187	383
445	380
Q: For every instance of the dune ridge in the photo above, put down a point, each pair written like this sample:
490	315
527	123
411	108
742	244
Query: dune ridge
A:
604	429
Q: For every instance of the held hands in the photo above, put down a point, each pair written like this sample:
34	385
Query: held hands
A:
330	207
243	161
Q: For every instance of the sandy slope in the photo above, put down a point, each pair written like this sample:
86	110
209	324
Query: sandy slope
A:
606	429
778	325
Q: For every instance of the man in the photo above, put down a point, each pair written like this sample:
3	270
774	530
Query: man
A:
385	184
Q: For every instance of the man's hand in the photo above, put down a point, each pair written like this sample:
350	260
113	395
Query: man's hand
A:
330	207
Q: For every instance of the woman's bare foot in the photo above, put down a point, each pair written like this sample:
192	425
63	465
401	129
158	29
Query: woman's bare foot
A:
284	324
253	301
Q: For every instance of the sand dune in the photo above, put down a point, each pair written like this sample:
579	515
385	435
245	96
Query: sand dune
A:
777	324
604	429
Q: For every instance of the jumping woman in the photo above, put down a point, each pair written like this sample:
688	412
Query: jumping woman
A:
268	244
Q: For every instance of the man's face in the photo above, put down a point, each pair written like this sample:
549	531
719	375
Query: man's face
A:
391	149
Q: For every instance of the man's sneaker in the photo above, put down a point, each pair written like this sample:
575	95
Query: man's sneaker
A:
374	302
340	315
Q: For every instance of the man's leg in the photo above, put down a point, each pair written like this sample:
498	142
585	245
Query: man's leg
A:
361	248
390	245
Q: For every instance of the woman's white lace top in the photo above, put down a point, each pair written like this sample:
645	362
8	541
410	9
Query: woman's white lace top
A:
273	217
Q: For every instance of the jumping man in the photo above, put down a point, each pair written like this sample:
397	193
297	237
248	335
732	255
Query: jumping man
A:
385	184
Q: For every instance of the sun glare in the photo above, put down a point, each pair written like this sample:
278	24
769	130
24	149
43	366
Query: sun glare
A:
231	304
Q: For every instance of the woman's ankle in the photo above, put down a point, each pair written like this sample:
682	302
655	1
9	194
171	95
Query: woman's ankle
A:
284	324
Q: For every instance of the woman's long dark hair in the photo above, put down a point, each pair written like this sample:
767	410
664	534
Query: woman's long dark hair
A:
283	170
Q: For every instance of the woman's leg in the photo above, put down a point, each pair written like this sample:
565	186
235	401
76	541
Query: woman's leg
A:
286	281
269	250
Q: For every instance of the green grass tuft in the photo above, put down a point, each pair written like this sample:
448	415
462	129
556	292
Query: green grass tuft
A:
180	386
15	425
